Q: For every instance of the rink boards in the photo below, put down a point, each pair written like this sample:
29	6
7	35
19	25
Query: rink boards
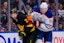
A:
58	37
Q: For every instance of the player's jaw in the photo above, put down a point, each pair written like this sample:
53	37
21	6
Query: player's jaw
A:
43	10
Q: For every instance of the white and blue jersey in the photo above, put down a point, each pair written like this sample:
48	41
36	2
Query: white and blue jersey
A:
45	19
46	24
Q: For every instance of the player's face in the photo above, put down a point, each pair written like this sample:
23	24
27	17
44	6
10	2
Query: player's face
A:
43	10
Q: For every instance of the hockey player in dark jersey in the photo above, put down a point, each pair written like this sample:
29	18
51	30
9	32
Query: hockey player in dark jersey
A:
26	27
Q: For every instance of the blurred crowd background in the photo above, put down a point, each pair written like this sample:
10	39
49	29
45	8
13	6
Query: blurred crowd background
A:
29	5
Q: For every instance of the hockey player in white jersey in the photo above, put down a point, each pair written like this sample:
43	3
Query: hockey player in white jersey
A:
45	19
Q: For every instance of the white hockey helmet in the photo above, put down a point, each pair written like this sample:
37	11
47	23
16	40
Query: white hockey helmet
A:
44	5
